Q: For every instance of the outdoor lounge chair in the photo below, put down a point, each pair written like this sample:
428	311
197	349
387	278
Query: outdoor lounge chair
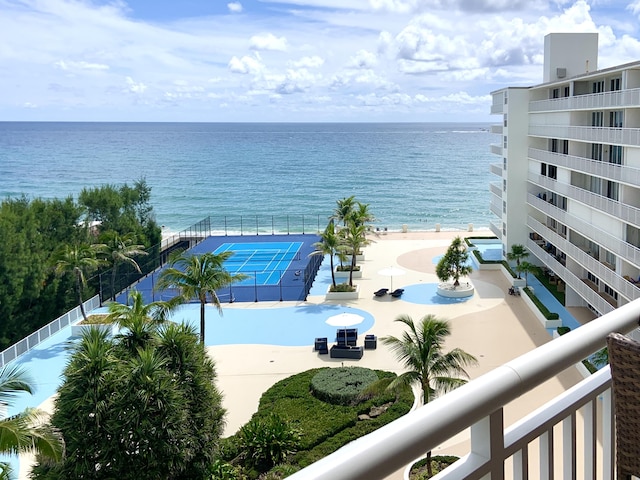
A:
397	293
381	293
624	359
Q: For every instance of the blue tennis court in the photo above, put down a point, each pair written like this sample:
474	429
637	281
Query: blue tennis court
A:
278	267
264	262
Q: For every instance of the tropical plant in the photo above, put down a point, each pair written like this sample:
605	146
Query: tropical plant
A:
453	264
331	244
121	249
266	441
149	412
198	276
77	260
600	358
361	215
24	432
354	239
420	349
527	268
517	253
343	210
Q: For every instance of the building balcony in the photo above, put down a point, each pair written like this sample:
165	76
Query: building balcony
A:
617	99
497	108
496	188
624	212
615	136
497	128
496	228
582	415
610	171
496	169
496	149
603	238
586	261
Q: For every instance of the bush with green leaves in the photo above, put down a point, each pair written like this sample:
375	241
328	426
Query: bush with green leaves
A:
137	410
342	385
324	427
267	441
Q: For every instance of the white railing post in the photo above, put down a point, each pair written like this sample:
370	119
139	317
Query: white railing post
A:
608	436
569	447
546	455
590	419
487	441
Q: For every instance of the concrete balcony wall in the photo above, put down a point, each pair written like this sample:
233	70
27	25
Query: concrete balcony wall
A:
615	136
617	99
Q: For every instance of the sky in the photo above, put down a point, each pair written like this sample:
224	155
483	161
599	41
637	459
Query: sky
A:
286	60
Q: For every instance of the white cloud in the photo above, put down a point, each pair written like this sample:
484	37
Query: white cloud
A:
80	66
246	65
308	57
268	42
363	59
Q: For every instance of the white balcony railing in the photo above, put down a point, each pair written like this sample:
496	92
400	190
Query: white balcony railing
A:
615	99
479	405
610	135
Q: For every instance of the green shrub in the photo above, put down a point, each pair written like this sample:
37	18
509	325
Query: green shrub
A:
341	385
225	471
347	268
342	287
267	441
544	310
562	330
438	463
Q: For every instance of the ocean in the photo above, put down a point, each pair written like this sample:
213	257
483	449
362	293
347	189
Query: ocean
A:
414	174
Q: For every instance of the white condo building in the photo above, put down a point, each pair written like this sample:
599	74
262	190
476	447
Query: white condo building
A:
569	187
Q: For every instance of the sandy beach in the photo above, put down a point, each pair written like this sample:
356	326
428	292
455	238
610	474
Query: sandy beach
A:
492	325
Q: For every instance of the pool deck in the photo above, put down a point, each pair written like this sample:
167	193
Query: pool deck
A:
480	326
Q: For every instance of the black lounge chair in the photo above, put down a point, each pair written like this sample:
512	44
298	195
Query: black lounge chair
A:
381	293
397	292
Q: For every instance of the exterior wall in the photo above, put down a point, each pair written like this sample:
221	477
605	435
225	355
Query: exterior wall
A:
577	53
573	172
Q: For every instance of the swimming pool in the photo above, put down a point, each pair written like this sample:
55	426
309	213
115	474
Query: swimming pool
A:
295	326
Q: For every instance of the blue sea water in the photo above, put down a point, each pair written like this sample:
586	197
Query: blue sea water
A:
418	174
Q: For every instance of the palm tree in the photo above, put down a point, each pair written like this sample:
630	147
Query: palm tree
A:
198	276
330	244
24	432
343	209
361	215
517	253
121	249
527	268
78	260
140	321
421	351
354	240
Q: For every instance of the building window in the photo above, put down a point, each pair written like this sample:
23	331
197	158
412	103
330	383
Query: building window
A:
616	118
596	151
610	291
565	147
567	91
592	278
598	87
555	93
597	119
504	228
543	169
615	154
505	119
504	185
504	163
615	84
554	145
613	190
553	172
504	141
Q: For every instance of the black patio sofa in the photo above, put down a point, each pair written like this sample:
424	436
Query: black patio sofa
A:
346	351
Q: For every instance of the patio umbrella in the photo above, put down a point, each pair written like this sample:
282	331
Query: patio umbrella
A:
345	320
391	272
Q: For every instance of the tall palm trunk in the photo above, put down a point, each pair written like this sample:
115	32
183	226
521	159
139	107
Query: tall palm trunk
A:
79	293
202	305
